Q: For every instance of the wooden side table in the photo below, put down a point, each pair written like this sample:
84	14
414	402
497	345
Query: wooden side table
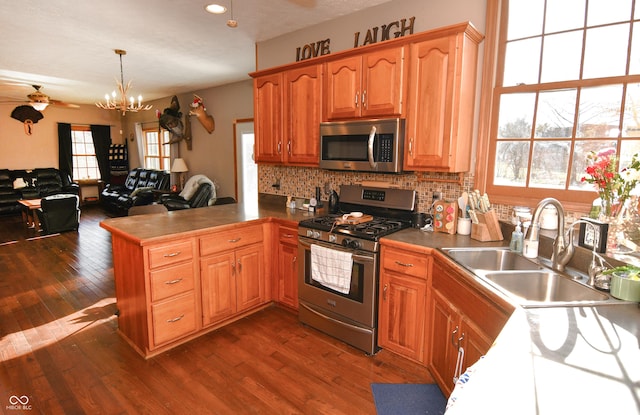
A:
28	212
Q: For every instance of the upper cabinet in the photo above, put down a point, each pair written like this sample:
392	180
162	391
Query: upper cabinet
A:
287	111
442	86
368	85
428	78
267	110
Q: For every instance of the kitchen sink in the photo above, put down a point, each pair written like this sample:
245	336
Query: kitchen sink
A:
544	287
490	259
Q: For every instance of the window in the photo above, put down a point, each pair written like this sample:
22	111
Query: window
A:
85	163
567	82
157	150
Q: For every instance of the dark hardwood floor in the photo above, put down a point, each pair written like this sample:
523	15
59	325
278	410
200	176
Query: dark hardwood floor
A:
61	353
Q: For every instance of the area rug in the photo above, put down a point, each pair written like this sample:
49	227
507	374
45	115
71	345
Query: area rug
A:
408	399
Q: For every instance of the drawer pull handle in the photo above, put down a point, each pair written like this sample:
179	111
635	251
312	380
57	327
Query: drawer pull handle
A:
171	282
384	292
173	320
453	333
233	241
402	264
171	255
288	235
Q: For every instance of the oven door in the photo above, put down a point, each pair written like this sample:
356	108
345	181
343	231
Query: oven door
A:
359	305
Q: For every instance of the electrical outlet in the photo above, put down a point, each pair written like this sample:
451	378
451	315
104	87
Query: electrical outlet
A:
436	196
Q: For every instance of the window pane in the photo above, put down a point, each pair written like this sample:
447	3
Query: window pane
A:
549	164
606	51
512	158
556	113
627	149
599	112
516	115
564	15
634	62
607	11
580	151
562	56
631	120
525	18
522	60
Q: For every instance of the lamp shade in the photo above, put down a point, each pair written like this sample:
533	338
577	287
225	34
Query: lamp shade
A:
179	166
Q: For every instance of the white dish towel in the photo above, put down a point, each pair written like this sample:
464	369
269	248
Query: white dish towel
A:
331	268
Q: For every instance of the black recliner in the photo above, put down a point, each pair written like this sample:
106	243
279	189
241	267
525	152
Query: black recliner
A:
200	198
59	213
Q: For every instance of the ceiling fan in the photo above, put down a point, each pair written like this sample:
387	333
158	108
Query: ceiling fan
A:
40	100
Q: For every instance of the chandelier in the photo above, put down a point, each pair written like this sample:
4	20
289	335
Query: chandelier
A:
121	103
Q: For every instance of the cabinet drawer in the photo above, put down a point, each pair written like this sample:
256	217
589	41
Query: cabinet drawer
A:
406	262
288	235
231	239
171	281
174	318
170	253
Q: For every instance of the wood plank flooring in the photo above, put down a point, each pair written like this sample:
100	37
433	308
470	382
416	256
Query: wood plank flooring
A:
60	352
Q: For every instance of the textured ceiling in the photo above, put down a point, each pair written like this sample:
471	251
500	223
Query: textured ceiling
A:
173	46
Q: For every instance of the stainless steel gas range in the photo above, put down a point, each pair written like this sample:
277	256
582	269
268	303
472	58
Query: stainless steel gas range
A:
338	271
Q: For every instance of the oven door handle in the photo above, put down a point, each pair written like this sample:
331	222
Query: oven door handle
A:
372	137
356	257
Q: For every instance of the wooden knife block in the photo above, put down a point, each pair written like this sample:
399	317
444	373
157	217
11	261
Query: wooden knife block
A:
488	228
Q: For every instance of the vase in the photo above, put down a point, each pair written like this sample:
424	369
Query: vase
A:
623	222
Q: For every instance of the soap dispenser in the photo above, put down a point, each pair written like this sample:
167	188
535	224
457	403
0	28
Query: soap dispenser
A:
516	239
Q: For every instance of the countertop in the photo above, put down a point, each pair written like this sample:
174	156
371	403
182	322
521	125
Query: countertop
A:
558	360
545	361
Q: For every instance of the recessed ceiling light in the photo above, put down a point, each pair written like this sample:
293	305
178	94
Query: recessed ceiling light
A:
215	9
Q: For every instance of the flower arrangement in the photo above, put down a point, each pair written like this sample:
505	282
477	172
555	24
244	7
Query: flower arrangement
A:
613	186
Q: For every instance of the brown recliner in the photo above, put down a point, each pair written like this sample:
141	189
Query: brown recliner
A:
59	213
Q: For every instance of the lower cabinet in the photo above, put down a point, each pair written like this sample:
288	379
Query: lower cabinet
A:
287	266
464	324
402	316
231	273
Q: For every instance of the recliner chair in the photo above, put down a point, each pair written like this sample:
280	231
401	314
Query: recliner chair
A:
199	199
59	213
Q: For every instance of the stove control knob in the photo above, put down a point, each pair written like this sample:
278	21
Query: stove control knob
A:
351	243
309	233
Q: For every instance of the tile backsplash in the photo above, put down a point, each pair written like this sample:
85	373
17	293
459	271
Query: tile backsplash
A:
302	181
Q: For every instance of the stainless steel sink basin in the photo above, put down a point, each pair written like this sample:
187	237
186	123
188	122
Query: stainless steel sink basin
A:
491	259
545	287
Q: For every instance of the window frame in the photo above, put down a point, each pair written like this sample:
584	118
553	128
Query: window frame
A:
75	156
488	120
163	140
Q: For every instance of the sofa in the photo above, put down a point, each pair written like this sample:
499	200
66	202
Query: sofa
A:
139	188
32	184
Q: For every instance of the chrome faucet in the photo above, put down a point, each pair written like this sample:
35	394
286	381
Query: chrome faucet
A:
562	251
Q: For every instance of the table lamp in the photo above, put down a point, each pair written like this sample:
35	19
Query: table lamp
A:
180	167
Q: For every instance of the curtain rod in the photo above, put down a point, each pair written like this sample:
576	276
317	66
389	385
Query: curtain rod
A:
85	125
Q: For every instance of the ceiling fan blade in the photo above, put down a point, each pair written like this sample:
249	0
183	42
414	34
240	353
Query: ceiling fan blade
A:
63	104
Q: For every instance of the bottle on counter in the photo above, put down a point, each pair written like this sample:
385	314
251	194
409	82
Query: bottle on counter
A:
516	239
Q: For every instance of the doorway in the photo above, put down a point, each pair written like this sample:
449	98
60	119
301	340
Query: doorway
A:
246	167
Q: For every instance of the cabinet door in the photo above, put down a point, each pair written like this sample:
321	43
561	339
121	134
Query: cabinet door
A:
267	101
250	283
303	110
288	275
383	78
445	332
429	106
342	88
475	343
402	314
218	287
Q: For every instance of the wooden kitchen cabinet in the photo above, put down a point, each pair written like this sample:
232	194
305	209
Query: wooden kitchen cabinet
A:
464	324
231	273
287	268
403	312
302	115
267	107
367	85
441	100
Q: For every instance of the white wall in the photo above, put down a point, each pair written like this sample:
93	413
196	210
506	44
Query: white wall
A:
21	151
429	14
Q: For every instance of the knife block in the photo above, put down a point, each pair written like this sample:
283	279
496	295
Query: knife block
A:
488	228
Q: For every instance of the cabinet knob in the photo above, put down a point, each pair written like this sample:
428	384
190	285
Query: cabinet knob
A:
384	292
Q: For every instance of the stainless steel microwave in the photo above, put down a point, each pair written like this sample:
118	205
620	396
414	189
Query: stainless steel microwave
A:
363	145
